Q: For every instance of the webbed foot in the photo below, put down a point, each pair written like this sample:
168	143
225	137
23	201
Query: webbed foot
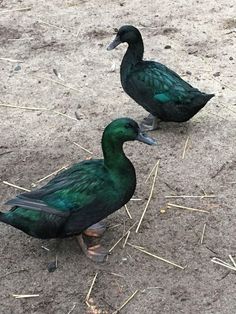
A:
96	253
95	230
149	123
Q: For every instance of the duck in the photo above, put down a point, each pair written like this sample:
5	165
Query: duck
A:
158	89
75	201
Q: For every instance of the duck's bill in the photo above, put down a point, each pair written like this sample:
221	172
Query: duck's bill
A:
142	137
114	43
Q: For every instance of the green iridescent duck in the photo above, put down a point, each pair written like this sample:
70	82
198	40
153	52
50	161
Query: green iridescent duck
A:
159	90
76	200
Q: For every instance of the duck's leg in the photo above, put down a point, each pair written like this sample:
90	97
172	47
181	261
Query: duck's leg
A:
150	123
52	265
95	230
96	252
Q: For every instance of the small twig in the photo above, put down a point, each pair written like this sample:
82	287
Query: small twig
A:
72	309
112	248
41	109
153	169
155	256
114	226
64	115
57	82
24	296
17	9
126	239
51	174
15	186
22	107
125	303
190	196
11	60
85	149
232	260
127	211
54	26
45	248
222	263
91	287
185	147
149	199
219	170
189	208
13	272
117	275
135	199
203	233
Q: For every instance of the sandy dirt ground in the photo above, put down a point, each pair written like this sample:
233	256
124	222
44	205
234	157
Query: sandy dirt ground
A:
70	38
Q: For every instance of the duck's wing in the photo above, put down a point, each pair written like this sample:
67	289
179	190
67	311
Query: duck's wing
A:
162	83
68	192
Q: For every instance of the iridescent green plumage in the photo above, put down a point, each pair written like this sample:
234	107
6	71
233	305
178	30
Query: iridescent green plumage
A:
159	90
82	195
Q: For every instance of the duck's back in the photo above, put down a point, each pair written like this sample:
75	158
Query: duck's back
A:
72	201
161	91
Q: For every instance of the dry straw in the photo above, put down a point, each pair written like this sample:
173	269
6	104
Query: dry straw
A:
123	236
169	205
150	196
90	290
141	249
128	212
125	303
185	147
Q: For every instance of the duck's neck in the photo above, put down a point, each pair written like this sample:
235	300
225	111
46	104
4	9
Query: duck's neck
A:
114	156
133	55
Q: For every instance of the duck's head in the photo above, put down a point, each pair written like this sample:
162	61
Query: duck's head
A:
126	129
128	34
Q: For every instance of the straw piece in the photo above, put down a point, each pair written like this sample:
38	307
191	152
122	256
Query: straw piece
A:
203	233
23	296
232	260
17	9
45	248
91	287
112	248
114	226
190	196
126	239
11	60
64	115
189	208
150	173
85	149
57	82
222	263
127	211
51	25
149	199
135	199
26	108
41	109
125	303
117	275
155	256
51	174
185	147
15	186
72	309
